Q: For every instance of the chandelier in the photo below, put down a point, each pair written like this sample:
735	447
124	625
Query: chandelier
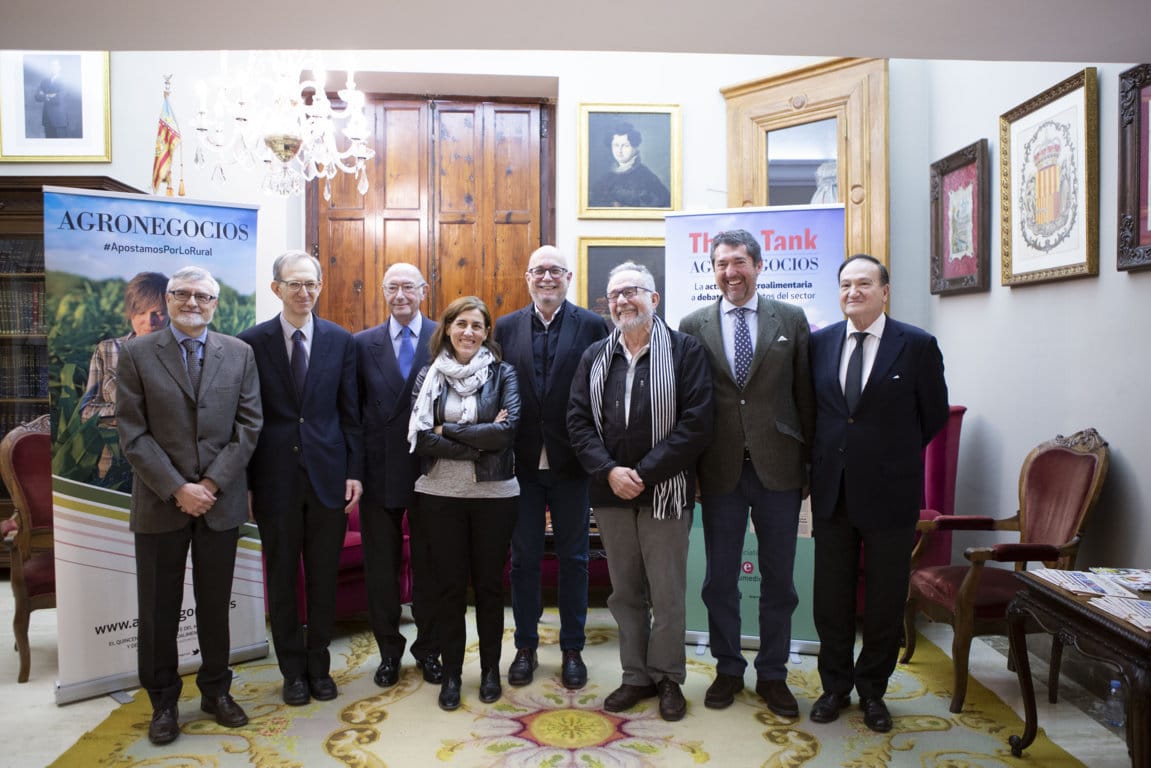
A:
271	113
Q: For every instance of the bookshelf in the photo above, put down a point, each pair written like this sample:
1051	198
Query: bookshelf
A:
24	321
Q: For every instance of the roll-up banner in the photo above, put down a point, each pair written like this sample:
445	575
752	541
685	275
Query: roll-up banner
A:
95	244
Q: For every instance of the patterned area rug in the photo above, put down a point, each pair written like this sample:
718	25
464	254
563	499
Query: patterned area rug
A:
545	725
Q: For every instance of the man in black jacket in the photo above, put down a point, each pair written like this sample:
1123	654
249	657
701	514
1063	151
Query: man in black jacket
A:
639	416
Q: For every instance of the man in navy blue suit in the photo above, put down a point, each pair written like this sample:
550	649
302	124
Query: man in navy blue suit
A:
388	357
880	398
306	472
544	341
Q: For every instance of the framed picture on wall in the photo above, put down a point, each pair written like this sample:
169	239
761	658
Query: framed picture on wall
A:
599	255
961	221
629	160
1134	168
1049	183
55	107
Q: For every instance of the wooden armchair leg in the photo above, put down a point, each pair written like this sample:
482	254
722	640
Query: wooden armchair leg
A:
909	611
1053	671
20	630
960	650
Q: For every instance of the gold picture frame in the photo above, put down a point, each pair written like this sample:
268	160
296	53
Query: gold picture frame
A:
599	255
55	107
1049	183
644	186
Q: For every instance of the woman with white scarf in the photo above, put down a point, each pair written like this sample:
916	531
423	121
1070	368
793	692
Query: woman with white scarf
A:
465	409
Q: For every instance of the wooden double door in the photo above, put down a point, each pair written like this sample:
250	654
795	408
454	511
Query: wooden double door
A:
462	189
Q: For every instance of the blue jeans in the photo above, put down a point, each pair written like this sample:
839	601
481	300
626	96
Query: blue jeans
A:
567	501
775	515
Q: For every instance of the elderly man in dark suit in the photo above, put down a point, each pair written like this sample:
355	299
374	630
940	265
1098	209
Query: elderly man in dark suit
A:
388	357
188	408
307	470
544	341
757	461
880	398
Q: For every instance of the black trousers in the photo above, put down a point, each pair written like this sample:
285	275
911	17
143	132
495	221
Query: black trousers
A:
381	529
304	531
887	564
471	539
160	559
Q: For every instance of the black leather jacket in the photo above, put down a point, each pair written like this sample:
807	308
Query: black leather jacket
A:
490	445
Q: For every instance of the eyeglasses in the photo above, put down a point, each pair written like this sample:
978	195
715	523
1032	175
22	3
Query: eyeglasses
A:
391	289
552	271
183	296
295	286
628	293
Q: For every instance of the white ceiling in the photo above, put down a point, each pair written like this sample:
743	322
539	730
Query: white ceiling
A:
1090	31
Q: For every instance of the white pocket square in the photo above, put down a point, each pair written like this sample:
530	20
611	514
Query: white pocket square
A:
896	377
782	338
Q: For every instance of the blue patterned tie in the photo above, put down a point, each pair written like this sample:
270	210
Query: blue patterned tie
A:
191	350
407	354
299	362
742	346
853	385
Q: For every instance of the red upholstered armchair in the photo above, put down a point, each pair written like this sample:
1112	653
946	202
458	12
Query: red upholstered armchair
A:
1059	483
26	466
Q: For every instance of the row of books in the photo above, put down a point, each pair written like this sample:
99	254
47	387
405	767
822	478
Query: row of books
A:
14	414
21	255
24	370
22	308
1115	591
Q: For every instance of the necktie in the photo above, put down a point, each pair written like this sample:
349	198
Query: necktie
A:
742	346
299	362
193	360
853	386
407	352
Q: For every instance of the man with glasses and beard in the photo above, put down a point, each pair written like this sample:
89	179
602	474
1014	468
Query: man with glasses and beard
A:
639	416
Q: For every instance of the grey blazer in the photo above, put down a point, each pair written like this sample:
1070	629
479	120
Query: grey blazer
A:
171	437
773	416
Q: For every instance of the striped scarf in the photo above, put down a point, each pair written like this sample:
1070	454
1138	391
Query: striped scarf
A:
670	496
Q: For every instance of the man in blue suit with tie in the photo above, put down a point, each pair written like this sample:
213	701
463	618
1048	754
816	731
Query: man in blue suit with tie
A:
388	357
306	472
880	398
544	341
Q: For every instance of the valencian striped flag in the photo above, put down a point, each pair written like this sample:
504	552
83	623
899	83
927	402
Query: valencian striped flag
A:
167	139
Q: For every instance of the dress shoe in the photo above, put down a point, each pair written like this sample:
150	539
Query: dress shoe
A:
450	692
875	715
296	692
165	725
490	688
323	688
522	666
672	704
778	697
574	671
721	693
627	696
430	666
826	707
388	673
228	713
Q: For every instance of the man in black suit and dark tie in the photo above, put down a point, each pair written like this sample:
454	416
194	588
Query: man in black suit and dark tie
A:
544	341
306	472
388	357
188	415
880	398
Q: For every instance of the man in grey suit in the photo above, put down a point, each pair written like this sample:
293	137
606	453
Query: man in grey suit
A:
757	460
189	414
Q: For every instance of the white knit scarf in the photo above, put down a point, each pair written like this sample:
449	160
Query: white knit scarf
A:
670	496
465	379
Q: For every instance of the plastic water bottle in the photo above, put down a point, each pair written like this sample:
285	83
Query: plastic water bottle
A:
1115	706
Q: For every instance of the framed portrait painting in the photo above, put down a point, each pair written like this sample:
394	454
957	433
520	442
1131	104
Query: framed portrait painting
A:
599	255
629	161
1049	183
1134	168
55	107
960	221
